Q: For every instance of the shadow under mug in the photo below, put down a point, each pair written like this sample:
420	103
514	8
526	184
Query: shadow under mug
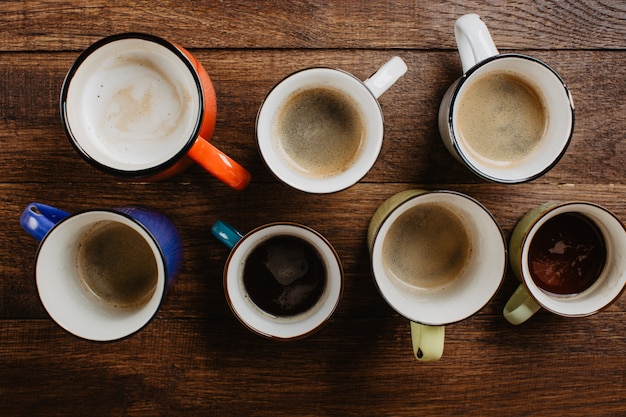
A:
480	60
360	94
608	286
137	106
241	300
459	229
60	279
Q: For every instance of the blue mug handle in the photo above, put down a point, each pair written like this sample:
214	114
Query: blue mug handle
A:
37	219
226	234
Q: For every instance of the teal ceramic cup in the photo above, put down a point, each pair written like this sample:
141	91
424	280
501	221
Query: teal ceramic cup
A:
282	280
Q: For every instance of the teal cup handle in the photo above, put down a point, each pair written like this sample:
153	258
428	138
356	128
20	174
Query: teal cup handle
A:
226	233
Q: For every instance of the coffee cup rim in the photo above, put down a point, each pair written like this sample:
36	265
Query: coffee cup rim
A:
320	185
459	149
143	172
539	295
160	291
308	322
409	313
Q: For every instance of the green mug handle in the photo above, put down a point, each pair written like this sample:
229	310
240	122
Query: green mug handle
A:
427	341
520	307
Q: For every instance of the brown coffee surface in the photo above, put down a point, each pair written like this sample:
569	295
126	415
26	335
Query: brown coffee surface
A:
567	254
427	247
117	265
284	276
501	119
320	131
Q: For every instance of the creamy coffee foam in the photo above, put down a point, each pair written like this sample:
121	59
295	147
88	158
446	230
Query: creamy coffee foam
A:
501	119
320	131
131	103
427	247
140	102
116	265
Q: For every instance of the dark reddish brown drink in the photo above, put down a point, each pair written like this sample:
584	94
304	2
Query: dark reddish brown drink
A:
567	254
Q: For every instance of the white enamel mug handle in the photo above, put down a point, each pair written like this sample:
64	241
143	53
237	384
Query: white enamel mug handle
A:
386	76
473	40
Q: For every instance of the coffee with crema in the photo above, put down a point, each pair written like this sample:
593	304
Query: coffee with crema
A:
320	131
116	265
427	247
501	119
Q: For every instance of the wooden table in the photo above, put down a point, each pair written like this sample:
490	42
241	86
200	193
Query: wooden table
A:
195	358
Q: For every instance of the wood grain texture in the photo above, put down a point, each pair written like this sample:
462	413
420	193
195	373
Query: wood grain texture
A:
412	150
337	24
214	367
194	358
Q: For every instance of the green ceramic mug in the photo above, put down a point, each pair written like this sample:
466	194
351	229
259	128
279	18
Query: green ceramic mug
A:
570	258
437	258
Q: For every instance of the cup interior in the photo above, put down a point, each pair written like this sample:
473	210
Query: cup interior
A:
66	299
132	103
480	279
612	280
288	327
560	121
369	109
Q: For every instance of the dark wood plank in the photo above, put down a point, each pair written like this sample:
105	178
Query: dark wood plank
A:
342	217
215	367
32	134
51	25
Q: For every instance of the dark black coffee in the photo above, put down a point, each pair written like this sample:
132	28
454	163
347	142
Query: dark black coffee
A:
284	276
567	254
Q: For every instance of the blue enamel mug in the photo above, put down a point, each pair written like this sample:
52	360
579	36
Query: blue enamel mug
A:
102	274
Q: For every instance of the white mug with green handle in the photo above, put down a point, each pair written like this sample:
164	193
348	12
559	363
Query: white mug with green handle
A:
437	258
604	282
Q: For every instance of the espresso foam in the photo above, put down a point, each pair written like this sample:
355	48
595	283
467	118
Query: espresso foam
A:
116	265
501	119
320	131
427	247
132	103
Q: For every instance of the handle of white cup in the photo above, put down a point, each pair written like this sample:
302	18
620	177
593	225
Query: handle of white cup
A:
427	341
473	40
520	307
37	219
386	76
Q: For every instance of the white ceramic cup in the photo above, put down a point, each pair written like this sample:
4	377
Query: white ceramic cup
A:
285	327
480	57
529	297
430	309
363	93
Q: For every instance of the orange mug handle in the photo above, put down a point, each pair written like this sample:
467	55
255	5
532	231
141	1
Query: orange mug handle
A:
219	164
202	152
